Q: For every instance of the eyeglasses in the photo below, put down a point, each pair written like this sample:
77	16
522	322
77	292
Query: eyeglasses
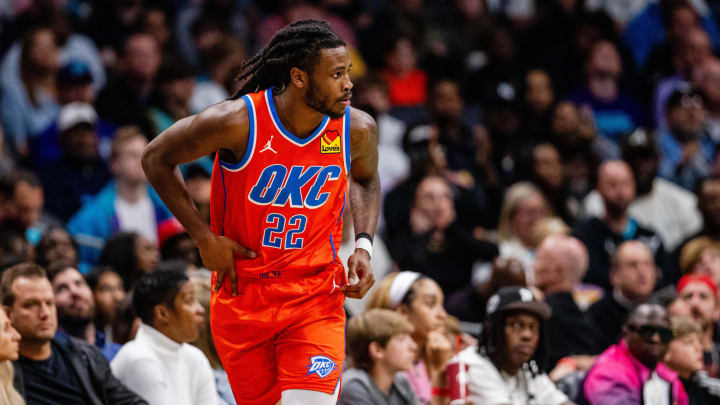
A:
648	331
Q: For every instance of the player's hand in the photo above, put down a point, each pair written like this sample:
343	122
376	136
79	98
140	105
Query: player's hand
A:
218	254
360	276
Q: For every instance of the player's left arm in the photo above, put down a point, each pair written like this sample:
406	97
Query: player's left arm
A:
364	197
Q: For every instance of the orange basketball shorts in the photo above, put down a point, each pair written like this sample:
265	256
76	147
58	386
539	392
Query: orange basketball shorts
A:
279	334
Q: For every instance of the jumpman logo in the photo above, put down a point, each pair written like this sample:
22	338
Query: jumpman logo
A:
335	286
268	146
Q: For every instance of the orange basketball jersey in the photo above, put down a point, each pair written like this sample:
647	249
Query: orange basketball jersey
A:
285	198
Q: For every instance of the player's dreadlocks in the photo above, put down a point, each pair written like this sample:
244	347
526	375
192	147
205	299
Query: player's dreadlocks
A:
296	45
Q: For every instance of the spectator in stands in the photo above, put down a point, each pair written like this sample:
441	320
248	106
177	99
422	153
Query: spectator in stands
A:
615	112
14	247
446	107
74	83
707	191
631	371
694	50
130	255
381	347
79	173
29	105
420	300
560	264
175	84
197	181
207	345
684	356
686	151
407	83
124	99
127	204
27	204
109	293
56	245
221	62
660	205
539	100
76	308
371	94
633	277
701	256
176	244
700	294
508	366
602	235
159	364
54	369
706	77
469	303
9	346
523	206
438	245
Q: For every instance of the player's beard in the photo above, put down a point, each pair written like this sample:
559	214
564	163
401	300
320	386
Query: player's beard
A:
318	102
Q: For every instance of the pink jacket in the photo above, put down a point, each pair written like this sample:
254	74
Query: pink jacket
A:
617	378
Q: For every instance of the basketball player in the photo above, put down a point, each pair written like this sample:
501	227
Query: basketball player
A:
291	154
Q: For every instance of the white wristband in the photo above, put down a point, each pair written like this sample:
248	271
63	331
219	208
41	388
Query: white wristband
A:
365	244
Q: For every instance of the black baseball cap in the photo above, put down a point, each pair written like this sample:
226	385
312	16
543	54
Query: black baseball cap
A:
516	298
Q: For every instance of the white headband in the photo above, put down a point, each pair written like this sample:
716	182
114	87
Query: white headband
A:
400	286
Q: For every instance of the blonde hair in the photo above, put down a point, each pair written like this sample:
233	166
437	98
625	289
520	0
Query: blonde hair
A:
205	341
380	297
691	253
375	325
8	393
548	226
516	194
682	326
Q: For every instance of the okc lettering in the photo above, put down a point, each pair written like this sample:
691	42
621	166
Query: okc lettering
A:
279	186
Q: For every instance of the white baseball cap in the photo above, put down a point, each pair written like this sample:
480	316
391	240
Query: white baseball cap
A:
76	113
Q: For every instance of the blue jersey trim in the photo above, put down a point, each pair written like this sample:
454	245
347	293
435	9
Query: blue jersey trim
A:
251	139
285	132
347	140
332	245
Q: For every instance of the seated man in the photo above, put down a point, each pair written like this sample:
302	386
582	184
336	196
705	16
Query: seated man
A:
159	364
633	276
76	308
381	347
508	367
700	294
630	372
685	357
60	370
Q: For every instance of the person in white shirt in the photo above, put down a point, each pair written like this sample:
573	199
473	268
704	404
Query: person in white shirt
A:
507	369
160	365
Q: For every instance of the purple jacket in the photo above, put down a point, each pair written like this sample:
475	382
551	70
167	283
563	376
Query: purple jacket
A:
617	378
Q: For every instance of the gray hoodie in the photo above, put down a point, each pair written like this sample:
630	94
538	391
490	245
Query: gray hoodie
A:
359	389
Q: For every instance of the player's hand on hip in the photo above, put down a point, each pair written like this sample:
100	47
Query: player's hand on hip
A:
360	276
218	254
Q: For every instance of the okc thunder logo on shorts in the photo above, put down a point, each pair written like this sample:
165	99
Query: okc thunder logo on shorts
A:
321	365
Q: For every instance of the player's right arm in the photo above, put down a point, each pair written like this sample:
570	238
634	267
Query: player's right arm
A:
222	126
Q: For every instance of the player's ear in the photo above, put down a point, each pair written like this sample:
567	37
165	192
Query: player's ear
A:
299	77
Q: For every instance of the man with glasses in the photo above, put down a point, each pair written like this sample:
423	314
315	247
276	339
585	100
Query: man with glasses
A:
686	150
630	372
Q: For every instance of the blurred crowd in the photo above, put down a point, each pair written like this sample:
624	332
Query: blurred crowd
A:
566	149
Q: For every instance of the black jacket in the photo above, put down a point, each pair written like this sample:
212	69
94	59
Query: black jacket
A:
93	371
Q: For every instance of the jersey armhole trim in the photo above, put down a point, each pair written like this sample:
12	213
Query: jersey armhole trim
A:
252	118
346	141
